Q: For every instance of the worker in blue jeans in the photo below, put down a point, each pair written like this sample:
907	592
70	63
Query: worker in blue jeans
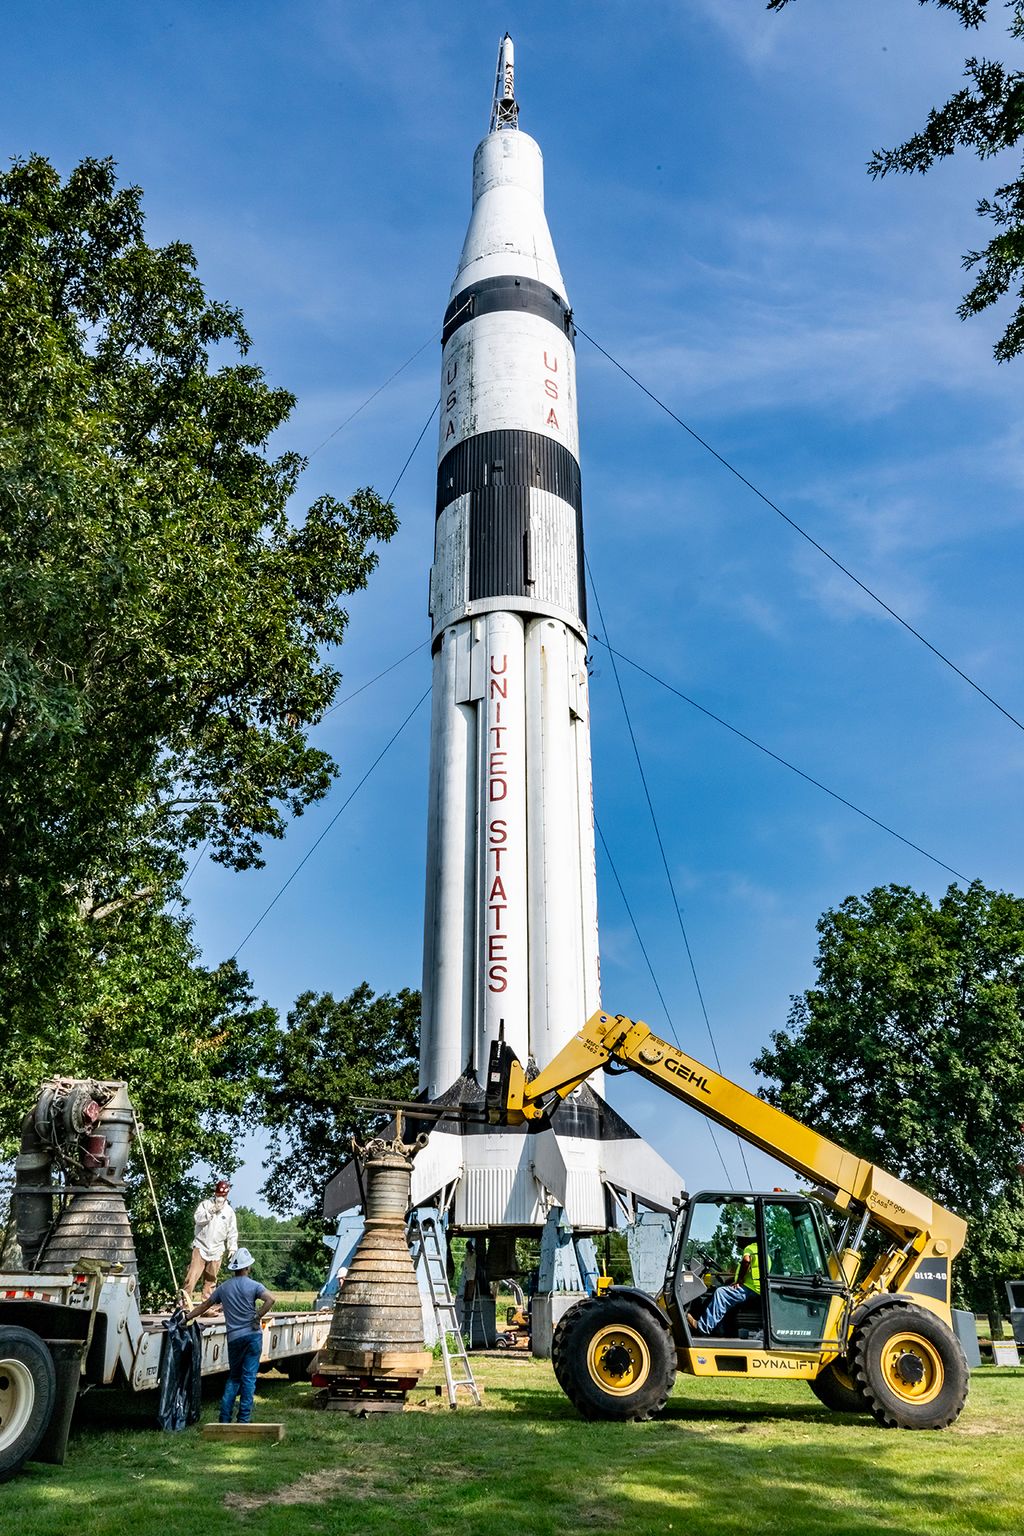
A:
746	1286
245	1304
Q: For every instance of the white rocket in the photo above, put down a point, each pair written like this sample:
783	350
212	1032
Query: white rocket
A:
511	933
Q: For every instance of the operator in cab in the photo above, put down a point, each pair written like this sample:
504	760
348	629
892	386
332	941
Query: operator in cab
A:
746	1286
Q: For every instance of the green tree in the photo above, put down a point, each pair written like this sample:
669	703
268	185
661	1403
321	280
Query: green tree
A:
987	116
166	618
332	1052
278	1248
163	613
910	1051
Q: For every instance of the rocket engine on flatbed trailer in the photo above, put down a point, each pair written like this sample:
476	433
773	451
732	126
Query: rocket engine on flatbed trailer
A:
70	1317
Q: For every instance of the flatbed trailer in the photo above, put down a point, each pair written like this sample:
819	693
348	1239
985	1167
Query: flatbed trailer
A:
70	1317
64	1335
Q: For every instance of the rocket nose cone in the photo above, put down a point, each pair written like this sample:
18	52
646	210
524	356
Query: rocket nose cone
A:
508	159
508	233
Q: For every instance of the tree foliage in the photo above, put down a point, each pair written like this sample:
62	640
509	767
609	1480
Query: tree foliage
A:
165	618
162	616
986	116
910	1051
332	1052
278	1247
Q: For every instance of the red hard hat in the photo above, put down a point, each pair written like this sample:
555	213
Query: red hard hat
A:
221	1187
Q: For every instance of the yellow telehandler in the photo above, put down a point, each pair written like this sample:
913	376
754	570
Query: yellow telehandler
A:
859	1307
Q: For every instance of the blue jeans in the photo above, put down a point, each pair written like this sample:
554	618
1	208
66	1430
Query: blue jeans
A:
243	1363
725	1296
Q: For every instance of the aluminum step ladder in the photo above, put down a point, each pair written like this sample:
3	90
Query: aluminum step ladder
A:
425	1244
476	1313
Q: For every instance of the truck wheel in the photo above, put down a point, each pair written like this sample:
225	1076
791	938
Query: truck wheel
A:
911	1369
613	1359
838	1390
28	1389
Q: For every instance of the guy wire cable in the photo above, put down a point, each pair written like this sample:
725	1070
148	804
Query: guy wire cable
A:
382	387
433	412
310	851
381	673
363	686
347	699
200	856
422	643
661	845
781	760
152	1195
657	984
802	531
710	715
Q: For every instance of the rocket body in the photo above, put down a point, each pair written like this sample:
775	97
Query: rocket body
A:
511	910
510	929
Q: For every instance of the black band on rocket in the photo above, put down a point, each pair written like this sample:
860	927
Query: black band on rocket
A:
508	458
493	294
501	547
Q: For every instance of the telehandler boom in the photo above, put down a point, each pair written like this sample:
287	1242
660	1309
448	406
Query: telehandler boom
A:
864	1318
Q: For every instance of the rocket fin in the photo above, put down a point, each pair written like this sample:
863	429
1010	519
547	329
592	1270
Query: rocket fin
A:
590	1151
438	1166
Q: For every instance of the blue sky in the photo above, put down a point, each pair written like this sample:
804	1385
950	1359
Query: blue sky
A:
718	234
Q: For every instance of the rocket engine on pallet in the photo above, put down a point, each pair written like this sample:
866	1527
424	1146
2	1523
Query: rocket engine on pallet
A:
374	1352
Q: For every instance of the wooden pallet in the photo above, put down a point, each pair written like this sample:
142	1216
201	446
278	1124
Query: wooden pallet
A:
243	1432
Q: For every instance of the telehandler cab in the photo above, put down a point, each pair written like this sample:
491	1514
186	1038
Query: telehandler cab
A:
870	1331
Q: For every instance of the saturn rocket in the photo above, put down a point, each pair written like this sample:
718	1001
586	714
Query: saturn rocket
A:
511	936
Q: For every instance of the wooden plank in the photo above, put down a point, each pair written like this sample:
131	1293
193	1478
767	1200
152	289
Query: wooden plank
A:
233	1432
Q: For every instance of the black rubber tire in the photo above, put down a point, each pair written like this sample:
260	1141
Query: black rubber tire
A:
558	1356
28	1393
837	1388
894	1335
596	1335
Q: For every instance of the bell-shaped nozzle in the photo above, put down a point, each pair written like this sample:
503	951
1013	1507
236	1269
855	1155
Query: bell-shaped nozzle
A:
376	1337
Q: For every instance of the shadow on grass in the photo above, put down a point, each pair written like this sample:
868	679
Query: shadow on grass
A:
526	1465
107	1408
552	1404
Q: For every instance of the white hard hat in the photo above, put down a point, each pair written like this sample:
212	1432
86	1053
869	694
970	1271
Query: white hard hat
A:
243	1259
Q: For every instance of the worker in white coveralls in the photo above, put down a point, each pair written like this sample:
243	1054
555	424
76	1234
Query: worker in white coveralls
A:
216	1233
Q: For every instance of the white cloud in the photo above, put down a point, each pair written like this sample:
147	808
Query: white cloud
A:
758	356
754	33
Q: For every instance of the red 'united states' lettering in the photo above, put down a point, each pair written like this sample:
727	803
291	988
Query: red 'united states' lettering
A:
497	831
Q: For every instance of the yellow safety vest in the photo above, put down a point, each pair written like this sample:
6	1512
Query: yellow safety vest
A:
753	1279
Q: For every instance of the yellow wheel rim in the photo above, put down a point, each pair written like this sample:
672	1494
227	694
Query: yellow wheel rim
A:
912	1368
618	1360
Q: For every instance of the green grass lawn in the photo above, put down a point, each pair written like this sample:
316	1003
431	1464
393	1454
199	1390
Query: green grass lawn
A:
726	1457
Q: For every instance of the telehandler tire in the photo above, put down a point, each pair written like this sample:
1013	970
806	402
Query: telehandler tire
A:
28	1391
911	1368
614	1359
838	1390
